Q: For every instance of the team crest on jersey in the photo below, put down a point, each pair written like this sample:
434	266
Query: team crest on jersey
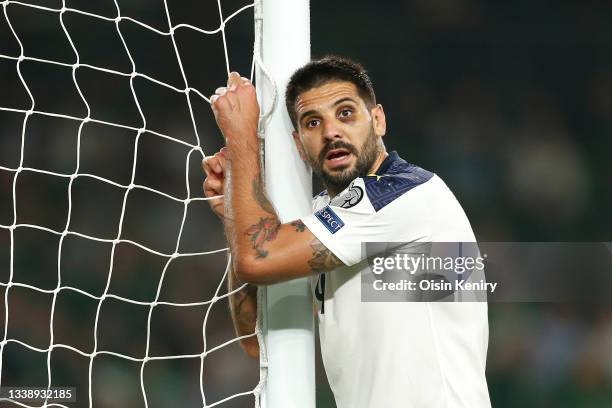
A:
330	219
349	199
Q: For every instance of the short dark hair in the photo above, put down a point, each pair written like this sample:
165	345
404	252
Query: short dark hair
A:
327	69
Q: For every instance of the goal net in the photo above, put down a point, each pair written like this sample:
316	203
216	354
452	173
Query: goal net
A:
112	266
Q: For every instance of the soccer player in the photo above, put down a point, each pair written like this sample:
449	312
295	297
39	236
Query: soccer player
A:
376	354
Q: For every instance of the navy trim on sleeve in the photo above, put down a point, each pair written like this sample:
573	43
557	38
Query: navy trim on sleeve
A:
393	178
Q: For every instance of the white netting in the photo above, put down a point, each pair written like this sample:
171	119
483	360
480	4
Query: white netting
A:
110	247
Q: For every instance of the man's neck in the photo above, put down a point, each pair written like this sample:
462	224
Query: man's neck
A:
332	192
381	158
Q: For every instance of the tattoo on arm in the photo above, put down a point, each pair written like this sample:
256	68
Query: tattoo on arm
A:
322	258
249	292
242	304
260	195
265	230
298	225
267	227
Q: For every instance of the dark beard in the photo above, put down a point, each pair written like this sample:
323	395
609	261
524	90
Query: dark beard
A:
338	180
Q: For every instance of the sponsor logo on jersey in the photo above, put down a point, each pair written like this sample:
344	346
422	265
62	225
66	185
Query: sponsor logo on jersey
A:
330	219
349	199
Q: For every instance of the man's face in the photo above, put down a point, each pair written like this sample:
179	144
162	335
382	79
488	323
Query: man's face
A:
337	134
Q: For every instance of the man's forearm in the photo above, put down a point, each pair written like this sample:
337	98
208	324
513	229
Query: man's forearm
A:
251	220
243	303
243	308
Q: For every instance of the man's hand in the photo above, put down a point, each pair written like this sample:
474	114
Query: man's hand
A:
214	168
236	109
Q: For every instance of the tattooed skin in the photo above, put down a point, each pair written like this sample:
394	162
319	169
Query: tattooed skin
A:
265	230
250	291
243	309
298	225
322	258
260	195
267	227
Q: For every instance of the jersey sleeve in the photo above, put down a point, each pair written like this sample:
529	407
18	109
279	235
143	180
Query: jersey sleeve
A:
354	217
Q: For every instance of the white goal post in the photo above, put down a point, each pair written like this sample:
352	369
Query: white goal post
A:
287	308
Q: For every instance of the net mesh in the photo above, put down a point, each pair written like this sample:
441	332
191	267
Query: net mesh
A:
113	267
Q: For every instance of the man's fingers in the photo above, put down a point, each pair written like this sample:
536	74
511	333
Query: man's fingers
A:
213	190
207	193
233	81
212	164
206	165
213	186
224	156
218	92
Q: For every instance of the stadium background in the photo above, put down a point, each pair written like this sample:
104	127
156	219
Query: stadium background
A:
510	103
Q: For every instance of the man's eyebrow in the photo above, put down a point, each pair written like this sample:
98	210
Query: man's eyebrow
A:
345	99
338	102
303	115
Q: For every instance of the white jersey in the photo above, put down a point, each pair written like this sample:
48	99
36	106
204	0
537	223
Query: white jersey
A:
396	355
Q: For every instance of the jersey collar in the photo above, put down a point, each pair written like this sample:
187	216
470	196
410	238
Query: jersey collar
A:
384	166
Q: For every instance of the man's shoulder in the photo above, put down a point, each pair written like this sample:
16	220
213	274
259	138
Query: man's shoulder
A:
394	180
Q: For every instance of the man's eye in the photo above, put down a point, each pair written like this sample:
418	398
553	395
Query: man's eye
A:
312	123
345	113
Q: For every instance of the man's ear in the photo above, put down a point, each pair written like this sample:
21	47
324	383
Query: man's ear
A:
299	145
379	119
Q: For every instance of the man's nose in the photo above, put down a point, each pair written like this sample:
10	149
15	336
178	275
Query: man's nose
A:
331	130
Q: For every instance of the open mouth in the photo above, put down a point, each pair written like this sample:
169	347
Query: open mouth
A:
337	154
337	158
